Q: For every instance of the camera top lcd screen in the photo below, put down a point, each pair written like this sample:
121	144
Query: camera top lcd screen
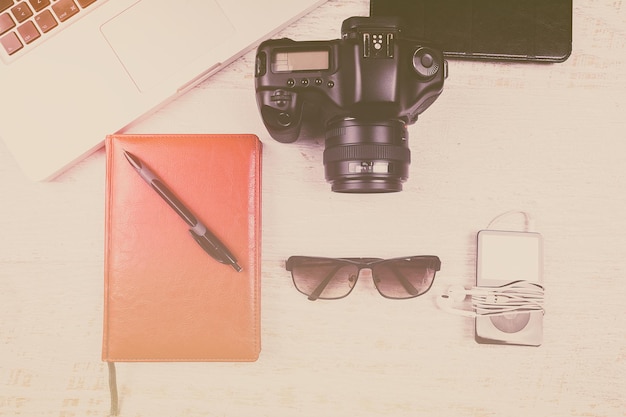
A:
311	60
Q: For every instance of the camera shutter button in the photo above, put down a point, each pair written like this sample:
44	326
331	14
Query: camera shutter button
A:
284	119
425	62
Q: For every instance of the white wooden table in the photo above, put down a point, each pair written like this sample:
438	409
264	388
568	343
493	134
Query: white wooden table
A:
546	139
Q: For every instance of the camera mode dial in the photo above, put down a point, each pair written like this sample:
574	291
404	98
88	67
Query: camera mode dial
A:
426	62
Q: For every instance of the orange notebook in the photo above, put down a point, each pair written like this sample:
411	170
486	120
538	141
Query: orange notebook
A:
168	297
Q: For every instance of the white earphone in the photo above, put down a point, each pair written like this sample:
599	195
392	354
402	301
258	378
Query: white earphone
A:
454	295
514	297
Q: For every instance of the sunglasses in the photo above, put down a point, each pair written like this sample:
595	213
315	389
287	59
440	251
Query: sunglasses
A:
333	278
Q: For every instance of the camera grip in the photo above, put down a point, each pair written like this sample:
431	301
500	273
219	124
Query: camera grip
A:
282	115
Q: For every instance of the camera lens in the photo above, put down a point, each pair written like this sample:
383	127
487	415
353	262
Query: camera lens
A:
366	157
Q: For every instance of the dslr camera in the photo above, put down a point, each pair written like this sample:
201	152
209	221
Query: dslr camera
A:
362	90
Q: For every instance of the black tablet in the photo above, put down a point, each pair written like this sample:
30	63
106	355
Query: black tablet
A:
525	30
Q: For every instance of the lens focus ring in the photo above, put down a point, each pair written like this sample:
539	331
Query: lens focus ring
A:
367	152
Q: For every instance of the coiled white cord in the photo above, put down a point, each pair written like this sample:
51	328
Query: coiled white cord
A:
514	297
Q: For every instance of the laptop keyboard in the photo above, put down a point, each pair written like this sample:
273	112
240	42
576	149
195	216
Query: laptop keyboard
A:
24	23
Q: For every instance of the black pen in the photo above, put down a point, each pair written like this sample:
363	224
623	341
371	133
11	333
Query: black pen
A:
201	234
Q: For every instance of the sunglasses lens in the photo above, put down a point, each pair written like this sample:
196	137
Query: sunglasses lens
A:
404	278
323	278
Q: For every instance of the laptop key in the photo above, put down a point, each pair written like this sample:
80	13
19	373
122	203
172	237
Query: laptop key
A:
85	3
64	9
5	4
46	21
11	43
6	23
21	11
38	5
28	32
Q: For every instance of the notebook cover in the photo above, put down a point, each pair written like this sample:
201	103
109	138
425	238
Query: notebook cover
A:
166	299
530	30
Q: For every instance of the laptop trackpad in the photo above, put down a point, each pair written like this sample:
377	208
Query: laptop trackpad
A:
153	39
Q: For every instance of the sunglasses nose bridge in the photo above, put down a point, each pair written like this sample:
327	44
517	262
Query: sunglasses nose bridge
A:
362	272
366	272
354	277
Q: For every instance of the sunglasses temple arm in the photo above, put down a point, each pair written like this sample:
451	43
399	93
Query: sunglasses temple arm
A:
410	288
318	290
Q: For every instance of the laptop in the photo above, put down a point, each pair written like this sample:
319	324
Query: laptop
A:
73	71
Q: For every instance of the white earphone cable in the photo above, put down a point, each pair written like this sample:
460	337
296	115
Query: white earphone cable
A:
514	297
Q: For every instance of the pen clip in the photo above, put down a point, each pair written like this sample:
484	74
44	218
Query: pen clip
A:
215	249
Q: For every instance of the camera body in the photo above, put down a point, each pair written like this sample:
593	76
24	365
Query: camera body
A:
362	89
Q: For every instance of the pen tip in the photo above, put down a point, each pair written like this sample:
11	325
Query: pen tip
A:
132	159
237	267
